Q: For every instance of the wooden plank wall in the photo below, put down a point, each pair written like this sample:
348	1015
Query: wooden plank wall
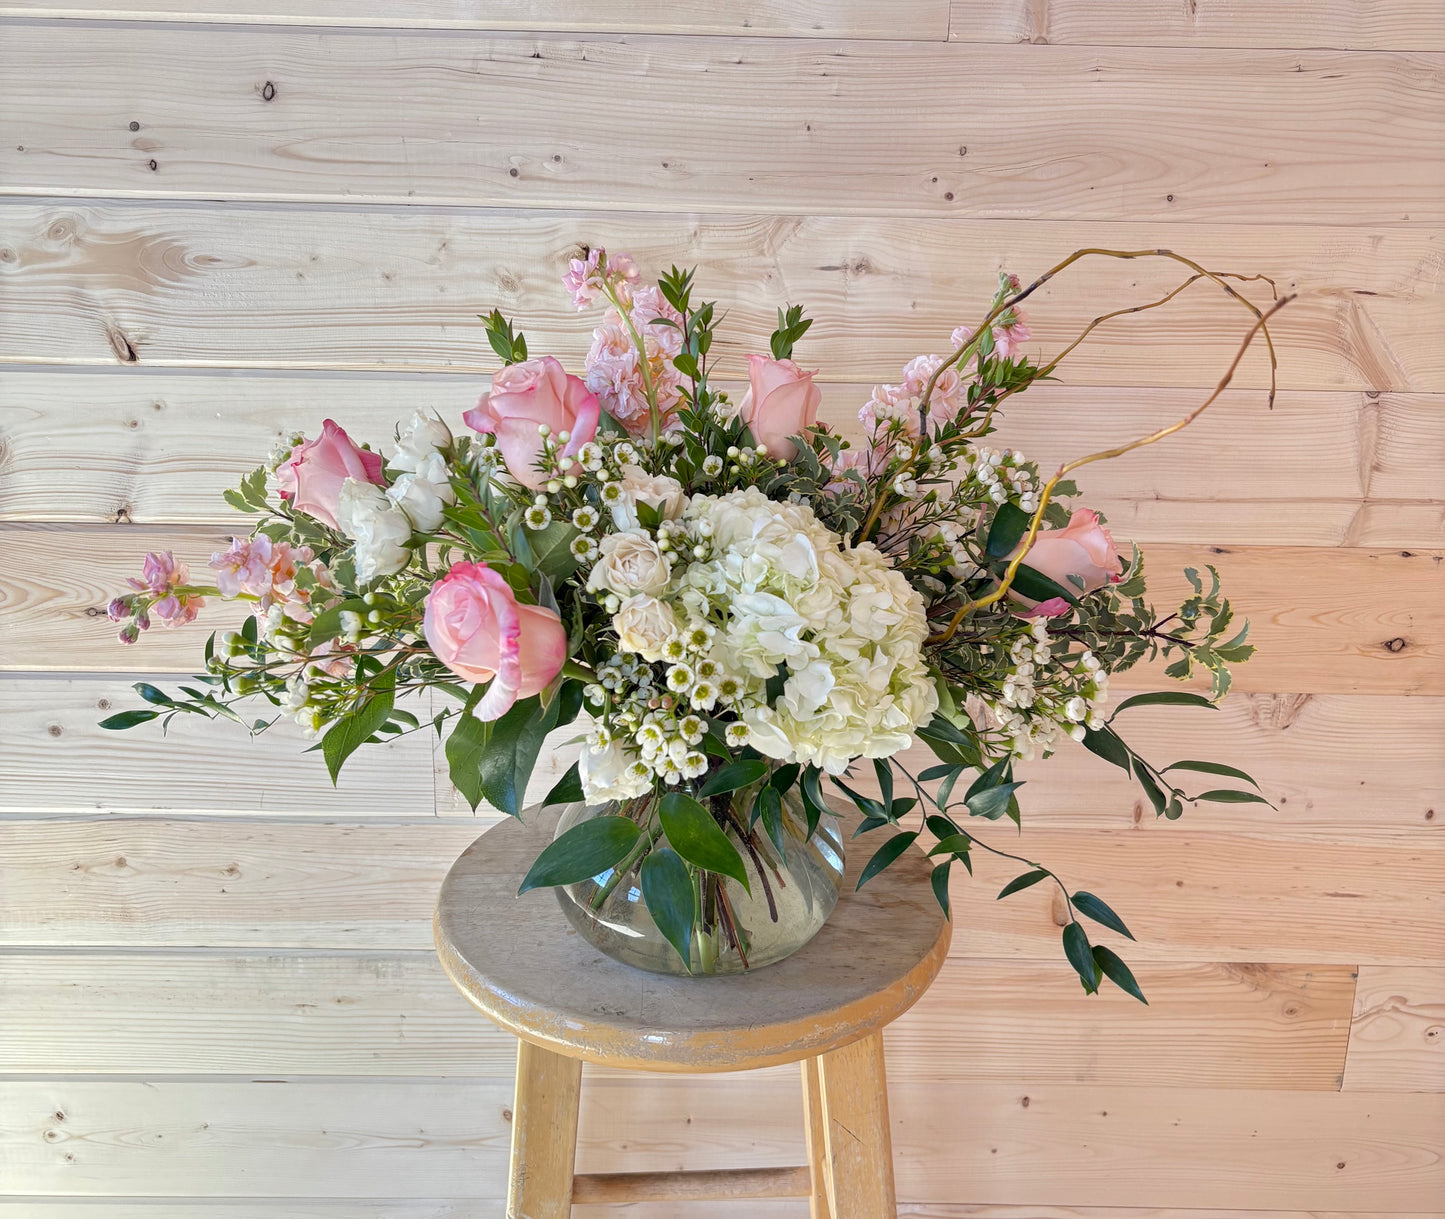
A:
221	221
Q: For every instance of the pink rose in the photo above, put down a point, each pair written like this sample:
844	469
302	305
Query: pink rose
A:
526	395
1082	548
311	477
476	628
781	401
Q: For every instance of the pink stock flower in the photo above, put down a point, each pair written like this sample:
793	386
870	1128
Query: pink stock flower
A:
588	278
1008	341
476	628
529	395
947	396
614	369
164	578
311	477
260	567
889	403
781	401
648	304
1083	548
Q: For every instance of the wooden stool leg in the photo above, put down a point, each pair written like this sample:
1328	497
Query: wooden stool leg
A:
855	1130
544	1134
818	1206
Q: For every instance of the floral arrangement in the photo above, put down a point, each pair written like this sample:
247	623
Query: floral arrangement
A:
748	605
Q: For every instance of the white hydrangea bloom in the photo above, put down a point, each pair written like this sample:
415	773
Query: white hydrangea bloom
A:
845	627
609	772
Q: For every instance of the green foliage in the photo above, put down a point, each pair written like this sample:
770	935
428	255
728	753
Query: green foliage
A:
509	344
588	849
693	834
347	734
667	889
792	326
888	853
734	776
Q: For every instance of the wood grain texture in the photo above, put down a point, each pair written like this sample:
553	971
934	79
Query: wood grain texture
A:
1402	25
1323	468
393	1014
1190	892
901	19
1397	1037
544	1134
788	126
1070	1146
463	1208
857	1146
114	284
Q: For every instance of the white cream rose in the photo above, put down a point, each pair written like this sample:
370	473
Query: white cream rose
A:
630	563
644	625
657	491
424	493
380	529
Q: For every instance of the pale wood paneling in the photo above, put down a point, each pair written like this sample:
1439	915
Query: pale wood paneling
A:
1321	469
786	126
1189	892
1397	1039
1376	625
1402	25
1070	1145
898	20
1306	751
457	1208
57	759
367	288
1256	1027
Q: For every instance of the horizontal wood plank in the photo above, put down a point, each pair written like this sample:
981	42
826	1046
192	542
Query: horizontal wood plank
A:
792	127
901	19
1397	1037
1403	25
1190	893
1325	620
369	288
1070	1145
1321	469
1265	1026
759	1208
58	759
1336	761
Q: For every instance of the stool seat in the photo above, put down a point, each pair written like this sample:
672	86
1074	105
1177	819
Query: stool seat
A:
521	962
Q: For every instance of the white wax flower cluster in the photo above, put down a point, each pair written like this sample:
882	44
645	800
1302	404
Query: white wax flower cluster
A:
1047	693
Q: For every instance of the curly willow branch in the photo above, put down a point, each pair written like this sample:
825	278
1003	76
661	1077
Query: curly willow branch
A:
1011	571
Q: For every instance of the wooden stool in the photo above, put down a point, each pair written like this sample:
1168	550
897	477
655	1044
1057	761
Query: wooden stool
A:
521	963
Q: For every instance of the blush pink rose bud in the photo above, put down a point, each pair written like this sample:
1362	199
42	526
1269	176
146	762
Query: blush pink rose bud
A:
311	477
526	395
1082	548
476	628
781	400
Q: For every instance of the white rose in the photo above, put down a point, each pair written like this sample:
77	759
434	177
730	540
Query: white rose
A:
425	493
644	625
630	563
610	774
422	437
380	529
655	490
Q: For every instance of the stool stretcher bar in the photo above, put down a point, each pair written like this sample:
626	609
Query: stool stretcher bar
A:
714	1184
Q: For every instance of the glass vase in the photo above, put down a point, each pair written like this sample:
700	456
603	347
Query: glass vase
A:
793	891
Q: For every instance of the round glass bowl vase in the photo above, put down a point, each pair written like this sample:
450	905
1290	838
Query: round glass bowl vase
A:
790	895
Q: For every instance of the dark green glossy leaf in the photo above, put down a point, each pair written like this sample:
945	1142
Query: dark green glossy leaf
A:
1152	790
939	880
731	778
993	802
128	719
568	789
1106	744
464	749
151	695
954	844
865	804
693	834
667	890
1165	698
884	770
1226	796
507	763
886	854
991	777
1006	530
784	777
938	772
1095	908
589	848
1026	881
1038	587
1076	948
348	735
1117	972
770	809
1213	768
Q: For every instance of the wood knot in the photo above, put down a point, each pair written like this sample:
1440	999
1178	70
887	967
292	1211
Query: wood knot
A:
133	125
1396	645
268	92
55	730
124	351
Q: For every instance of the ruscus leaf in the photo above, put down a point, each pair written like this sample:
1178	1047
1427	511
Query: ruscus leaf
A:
587	849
